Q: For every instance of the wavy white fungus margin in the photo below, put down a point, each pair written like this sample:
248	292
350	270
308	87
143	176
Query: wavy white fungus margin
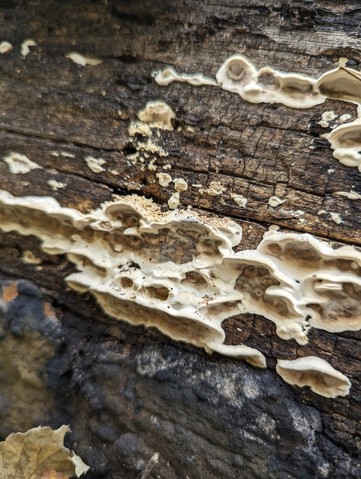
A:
19	164
169	75
345	141
316	373
143	266
177	271
342	83
267	85
351	195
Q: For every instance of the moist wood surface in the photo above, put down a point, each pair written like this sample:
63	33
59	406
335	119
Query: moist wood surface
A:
57	113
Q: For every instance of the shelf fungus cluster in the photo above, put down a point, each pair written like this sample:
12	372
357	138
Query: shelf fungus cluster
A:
267	85
178	270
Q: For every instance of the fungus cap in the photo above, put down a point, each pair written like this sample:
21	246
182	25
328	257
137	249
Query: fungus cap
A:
341	84
316	373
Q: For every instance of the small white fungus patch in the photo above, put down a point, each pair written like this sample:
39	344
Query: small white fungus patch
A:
24	47
169	75
345	117
82	60
173	201
336	218
180	184
157	114
56	185
326	118
351	195
5	47
274	201
164	179
19	164
30	258
239	200
95	164
215	188
139	128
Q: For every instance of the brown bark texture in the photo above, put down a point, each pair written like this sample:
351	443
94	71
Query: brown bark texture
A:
129	392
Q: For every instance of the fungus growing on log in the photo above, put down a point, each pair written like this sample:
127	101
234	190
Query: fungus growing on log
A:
157	114
316	373
177	270
169	75
341	84
267	85
345	141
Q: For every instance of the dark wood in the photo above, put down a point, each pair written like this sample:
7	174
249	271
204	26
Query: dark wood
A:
48	103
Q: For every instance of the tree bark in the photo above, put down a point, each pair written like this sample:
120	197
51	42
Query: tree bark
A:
129	392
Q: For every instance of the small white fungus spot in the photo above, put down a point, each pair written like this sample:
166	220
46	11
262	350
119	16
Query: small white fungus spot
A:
345	117
157	114
30	258
274	201
19	164
95	164
335	217
139	128
82	60
164	179
180	184
24	47
56	185
215	188
5	47
326	118
351	195
239	200
173	201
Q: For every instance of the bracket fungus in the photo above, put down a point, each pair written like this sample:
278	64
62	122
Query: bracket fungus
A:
316	373
345	141
327	280
143	266
178	271
267	85
236	73
341	83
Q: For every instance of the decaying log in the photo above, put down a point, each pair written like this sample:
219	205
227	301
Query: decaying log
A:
129	392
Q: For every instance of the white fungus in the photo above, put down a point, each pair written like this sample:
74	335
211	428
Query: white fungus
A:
83	60
5	47
274	201
24	47
19	164
157	114
316	373
95	164
169	75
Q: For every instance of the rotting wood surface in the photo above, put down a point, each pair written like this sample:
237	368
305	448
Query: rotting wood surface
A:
57	113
